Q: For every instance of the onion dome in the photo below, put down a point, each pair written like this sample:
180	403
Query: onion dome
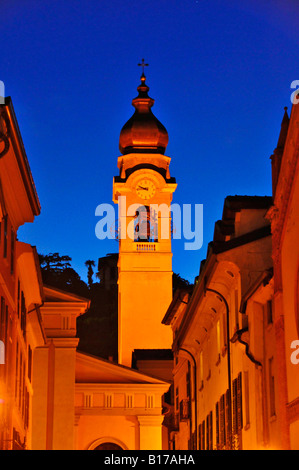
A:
143	132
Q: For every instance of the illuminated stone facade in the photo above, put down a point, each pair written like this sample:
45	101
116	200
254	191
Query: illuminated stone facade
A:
51	396
235	385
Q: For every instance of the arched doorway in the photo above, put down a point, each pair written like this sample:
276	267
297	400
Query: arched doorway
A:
107	443
108	446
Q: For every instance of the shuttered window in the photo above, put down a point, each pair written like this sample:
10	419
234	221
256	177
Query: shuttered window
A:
203	436
237	410
271	387
217	426
209	431
222	421
199	437
12	252
239	401
5	237
227	418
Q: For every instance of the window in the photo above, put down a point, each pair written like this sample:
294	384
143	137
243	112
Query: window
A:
209	431
222	429
12	251
6	335
192	441
201	370
23	391
26	408
271	388
2	318
184	409
223	421
247	409
218	335
236	309
224	330
23	314
201	436
237	410
269	314
145	225
20	380
16	441
19	299
188	381
228	418
29	363
217	426
176	399
5	238
17	371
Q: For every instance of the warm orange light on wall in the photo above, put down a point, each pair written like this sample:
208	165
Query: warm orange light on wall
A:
2	393
2	401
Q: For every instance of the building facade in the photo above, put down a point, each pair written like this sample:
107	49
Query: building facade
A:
235	385
53	397
284	217
19	286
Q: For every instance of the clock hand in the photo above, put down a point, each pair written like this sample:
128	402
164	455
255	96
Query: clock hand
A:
140	187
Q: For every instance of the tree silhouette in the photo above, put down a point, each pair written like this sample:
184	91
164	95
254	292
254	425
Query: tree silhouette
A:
57	272
54	262
179	282
89	264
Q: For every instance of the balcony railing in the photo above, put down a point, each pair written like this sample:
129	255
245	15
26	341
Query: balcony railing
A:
146	247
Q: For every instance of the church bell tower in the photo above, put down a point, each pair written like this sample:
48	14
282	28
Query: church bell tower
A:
143	190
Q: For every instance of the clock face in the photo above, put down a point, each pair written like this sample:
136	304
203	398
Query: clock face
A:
145	189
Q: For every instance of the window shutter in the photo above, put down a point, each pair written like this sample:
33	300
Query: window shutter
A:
227	417
211	431
235	409
217	425
199	437
203	435
222	421
208	432
239	402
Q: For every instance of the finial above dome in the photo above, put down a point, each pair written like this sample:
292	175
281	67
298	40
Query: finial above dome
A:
143	132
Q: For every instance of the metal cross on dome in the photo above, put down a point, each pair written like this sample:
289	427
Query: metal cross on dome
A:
143	65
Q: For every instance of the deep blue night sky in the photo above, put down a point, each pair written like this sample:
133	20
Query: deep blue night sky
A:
220	73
